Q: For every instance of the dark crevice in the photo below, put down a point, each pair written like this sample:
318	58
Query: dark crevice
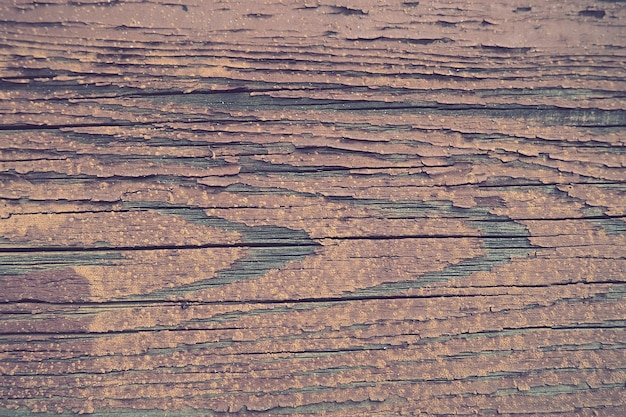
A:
601	126
379	237
187	303
425	236
347	11
284	244
410	41
598	14
534	184
234	90
92	334
27	126
91	211
554	219
262	244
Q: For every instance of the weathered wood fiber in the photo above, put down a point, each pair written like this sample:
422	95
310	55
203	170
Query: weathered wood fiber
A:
312	208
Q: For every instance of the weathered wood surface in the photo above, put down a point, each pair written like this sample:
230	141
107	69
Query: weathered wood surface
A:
321	207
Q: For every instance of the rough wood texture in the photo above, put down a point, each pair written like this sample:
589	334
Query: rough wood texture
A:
322	207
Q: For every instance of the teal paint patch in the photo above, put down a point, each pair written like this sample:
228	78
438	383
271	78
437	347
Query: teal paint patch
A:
18	263
251	235
256	263
553	390
617	291
612	226
267	248
502	238
243	100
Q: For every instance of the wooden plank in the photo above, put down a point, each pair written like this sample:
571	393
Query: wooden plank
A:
373	208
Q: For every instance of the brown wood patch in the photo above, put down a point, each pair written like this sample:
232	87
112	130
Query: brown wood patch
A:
312	208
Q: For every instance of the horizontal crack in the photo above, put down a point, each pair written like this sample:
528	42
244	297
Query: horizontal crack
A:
29	126
154	247
186	303
88	333
281	244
